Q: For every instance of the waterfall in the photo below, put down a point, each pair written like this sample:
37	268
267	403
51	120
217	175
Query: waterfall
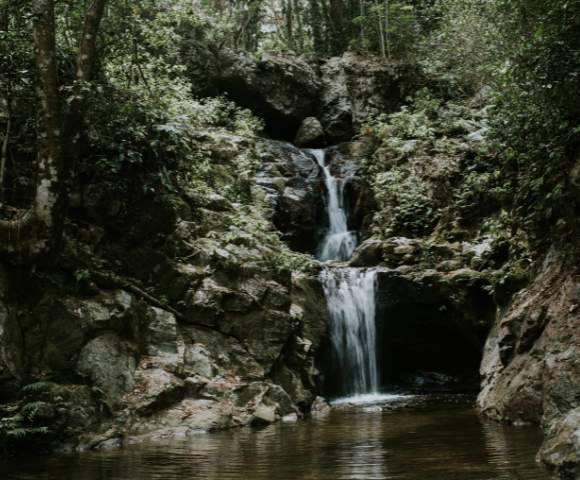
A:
339	243
350	294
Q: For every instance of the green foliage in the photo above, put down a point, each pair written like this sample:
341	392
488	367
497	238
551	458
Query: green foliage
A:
407	210
397	25
18	427
33	419
324	27
428	176
535	121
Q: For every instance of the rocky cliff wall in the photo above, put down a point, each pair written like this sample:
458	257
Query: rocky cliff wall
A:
181	312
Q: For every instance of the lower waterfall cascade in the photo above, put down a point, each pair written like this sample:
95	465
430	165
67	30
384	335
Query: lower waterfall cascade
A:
350	294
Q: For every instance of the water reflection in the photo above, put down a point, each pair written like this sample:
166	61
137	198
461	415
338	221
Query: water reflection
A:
431	442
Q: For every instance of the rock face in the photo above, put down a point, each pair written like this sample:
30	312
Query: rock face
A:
201	326
281	89
561	449
355	88
531	364
343	92
294	191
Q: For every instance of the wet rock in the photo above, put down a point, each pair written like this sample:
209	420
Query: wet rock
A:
320	407
154	389
561	448
224	355
198	360
310	134
294	190
278	397
531	359
401	251
368	254
65	324
161	336
531	364
296	371
264	415
183	418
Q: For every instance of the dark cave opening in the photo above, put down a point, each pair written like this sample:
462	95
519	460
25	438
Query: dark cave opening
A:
425	343
422	348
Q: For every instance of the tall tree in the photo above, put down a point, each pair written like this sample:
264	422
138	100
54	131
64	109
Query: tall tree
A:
39	229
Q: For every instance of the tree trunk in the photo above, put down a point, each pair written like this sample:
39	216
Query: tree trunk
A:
5	26
84	73
381	36
362	23
39	230
387	28
6	141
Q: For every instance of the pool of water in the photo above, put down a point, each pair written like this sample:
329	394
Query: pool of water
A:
434	440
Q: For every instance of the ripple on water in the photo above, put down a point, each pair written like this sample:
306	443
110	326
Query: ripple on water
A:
430	441
370	398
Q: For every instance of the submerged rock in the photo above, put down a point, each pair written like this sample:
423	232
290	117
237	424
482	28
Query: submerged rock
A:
320	407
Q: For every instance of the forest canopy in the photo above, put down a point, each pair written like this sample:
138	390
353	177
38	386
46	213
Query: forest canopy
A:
135	86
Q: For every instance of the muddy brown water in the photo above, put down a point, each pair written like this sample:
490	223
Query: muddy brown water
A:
433	440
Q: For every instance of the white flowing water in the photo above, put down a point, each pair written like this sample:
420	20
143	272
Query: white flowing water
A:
339	243
350	295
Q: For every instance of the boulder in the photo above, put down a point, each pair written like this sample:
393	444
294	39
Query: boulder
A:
264	415
368	254
310	133
161	335
62	325
109	363
531	363
283	89
531	360
154	389
320	407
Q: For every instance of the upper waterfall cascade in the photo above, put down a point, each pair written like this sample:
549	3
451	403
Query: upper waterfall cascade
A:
339	243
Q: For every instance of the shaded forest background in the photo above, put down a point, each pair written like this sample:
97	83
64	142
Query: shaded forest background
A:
135	106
